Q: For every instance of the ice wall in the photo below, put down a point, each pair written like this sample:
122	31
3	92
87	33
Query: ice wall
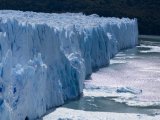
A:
44	58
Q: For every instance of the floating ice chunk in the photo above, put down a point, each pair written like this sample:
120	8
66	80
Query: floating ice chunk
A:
128	90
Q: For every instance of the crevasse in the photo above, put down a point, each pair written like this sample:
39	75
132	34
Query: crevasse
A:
45	58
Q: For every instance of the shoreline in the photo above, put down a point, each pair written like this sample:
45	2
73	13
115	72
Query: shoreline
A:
149	38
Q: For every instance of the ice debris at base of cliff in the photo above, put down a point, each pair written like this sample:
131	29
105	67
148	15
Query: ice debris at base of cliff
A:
63	113
44	58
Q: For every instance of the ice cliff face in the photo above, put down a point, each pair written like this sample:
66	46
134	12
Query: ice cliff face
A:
44	58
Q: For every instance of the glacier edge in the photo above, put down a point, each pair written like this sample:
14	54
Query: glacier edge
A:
44	58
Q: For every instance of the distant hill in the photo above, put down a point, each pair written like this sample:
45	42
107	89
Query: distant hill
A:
147	11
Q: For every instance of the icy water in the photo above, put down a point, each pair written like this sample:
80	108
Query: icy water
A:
128	89
135	68
104	104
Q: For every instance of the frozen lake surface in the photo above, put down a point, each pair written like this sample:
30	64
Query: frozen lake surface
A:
127	89
137	69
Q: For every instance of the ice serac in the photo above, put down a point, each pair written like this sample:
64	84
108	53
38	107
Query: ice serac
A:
44	58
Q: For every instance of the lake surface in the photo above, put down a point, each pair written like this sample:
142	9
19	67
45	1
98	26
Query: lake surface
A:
135	68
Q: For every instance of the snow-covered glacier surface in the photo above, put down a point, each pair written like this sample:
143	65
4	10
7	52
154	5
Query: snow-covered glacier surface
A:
45	58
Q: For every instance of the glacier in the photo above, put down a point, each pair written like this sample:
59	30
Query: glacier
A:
45	58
